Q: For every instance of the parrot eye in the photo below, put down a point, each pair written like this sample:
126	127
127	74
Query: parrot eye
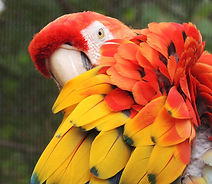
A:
101	33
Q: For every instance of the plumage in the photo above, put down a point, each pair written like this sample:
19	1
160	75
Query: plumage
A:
114	179
105	151
95	180
135	116
78	88
89	110
119	100
113	120
143	119
77	170
136	167
58	150
76	167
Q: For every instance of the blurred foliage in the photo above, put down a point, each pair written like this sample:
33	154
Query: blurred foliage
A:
27	123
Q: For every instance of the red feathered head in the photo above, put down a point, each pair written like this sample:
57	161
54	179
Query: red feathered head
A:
68	29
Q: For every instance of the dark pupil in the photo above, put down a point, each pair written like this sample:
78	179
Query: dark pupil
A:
100	33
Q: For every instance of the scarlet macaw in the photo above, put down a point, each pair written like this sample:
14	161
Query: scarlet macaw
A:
134	118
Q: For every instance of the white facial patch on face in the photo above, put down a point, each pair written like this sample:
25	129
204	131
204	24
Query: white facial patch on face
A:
95	35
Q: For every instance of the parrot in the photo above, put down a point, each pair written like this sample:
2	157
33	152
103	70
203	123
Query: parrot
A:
137	104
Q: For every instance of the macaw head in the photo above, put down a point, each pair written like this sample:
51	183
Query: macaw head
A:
70	45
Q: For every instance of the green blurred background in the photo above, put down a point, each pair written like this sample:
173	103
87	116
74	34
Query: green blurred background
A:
26	121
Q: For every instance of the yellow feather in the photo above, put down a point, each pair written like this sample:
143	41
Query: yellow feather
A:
77	170
111	121
64	127
79	94
162	124
145	180
57	175
68	110
171	172
98	111
69	95
95	180
106	159
139	126
74	84
89	110
76	167
145	117
108	122
96	89
136	167
155	164
84	106
143	137
58	150
158	168
89	126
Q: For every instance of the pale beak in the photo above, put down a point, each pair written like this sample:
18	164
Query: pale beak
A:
66	63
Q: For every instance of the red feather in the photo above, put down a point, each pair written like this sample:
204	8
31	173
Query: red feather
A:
119	100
